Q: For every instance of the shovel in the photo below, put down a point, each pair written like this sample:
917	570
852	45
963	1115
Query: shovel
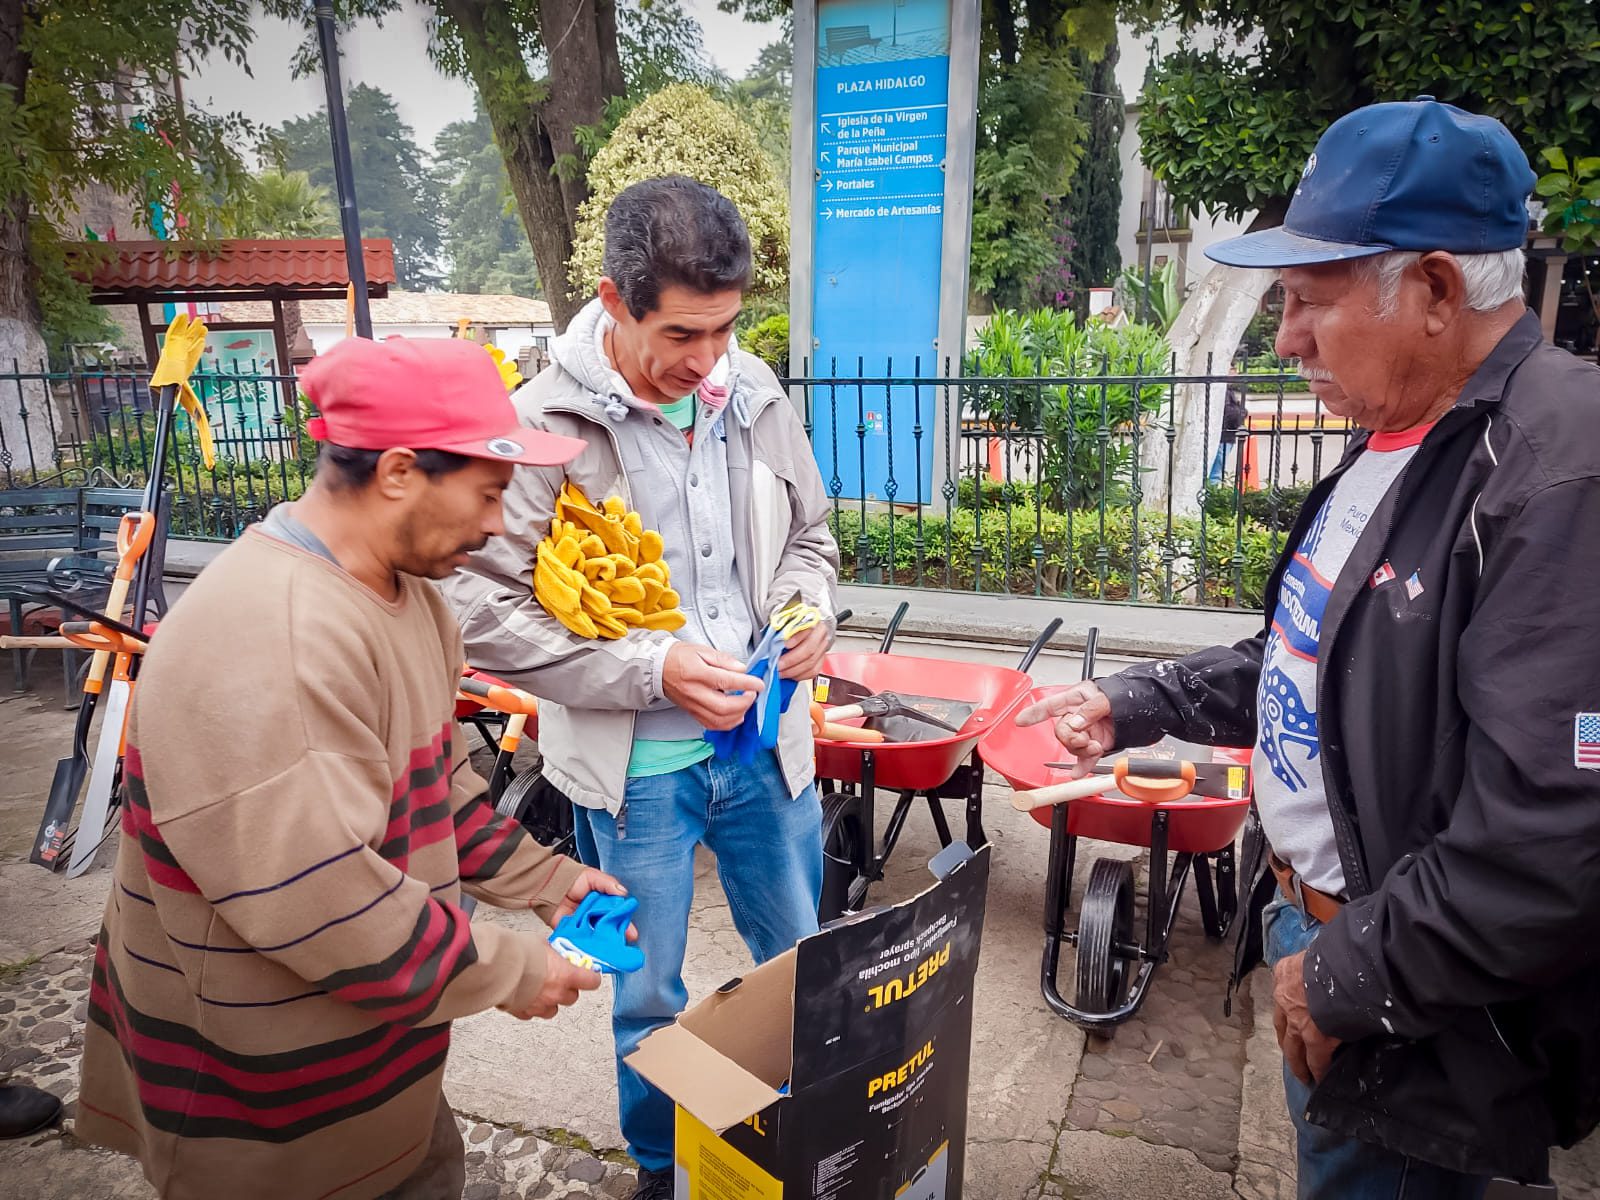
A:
133	536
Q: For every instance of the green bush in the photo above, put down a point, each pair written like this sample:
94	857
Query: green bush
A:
1221	500
1268	363
1083	425
768	340
1063	554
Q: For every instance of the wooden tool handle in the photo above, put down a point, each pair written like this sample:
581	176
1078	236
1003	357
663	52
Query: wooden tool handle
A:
848	733
1060	793
843	713
41	642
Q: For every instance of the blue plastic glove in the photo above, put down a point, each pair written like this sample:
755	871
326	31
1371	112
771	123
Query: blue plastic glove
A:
759	729
596	935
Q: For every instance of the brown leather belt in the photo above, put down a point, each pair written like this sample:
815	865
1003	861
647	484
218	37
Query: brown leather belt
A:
1317	905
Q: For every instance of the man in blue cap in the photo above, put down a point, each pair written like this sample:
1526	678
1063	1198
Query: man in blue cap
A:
1425	696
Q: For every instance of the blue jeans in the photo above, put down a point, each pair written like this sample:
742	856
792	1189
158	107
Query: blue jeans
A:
1331	1165
769	857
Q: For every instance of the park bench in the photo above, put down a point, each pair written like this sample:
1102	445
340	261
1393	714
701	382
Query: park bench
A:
842	38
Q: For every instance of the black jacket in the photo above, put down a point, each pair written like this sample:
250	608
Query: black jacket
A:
1464	973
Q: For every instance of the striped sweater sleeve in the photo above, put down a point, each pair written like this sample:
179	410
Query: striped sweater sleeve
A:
500	863
327	906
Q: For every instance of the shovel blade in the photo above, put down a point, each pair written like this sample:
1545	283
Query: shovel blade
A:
64	790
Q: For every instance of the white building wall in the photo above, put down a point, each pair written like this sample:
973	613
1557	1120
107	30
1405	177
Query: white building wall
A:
1205	229
511	340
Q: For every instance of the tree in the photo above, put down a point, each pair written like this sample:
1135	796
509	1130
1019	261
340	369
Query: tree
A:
684	130
484	241
87	103
551	111
1230	129
285	204
1093	203
397	194
763	99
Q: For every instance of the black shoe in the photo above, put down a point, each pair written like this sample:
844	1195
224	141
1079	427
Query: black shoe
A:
654	1185
25	1110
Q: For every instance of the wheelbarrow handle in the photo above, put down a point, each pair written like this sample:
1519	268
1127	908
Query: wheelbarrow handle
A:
502	699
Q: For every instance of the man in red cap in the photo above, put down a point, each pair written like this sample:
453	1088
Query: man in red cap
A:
284	948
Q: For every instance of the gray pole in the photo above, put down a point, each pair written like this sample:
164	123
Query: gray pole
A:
343	169
802	195
1149	208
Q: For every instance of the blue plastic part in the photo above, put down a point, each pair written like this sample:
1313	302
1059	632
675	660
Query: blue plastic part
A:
596	935
759	729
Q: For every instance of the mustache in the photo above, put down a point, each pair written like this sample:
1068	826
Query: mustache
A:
1314	374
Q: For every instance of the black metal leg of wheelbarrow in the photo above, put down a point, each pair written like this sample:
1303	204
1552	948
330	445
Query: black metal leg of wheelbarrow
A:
975	835
1057	899
941	824
1227	890
1210	920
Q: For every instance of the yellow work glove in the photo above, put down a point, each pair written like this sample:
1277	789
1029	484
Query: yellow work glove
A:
509	375
600	572
180	354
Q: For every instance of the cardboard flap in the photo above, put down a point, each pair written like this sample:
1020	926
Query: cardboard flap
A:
717	1090
750	1020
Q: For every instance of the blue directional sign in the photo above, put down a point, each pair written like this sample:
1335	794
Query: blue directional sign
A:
882	89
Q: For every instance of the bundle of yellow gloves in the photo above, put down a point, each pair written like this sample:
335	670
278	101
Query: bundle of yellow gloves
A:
600	571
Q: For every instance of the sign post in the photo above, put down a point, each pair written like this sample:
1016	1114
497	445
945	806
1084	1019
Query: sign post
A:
885	122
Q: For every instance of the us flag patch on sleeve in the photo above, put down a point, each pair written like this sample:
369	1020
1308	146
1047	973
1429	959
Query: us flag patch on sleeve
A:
1586	741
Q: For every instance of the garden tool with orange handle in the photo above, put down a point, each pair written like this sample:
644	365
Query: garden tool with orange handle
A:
133	539
1150	780
180	353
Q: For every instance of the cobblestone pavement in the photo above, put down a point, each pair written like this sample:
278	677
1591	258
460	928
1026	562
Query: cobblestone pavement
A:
42	1009
1172	1074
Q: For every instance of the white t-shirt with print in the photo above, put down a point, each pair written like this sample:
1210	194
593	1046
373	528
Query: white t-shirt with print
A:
1287	766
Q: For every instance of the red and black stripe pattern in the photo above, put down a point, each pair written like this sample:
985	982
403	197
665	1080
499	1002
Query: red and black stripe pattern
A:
405	986
138	826
419	811
190	1086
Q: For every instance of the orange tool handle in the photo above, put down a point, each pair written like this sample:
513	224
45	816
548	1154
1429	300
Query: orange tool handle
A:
501	699
1154	782
134	535
827	731
92	635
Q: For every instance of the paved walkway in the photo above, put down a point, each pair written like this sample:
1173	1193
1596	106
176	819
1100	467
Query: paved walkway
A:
1181	1104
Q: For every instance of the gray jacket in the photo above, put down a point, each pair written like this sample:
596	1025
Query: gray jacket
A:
592	689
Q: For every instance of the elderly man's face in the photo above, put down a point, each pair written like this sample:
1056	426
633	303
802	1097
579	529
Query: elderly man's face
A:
1360	365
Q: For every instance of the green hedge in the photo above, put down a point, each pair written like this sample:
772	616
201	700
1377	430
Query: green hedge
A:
1062	554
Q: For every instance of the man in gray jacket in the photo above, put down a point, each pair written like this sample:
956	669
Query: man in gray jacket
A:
699	439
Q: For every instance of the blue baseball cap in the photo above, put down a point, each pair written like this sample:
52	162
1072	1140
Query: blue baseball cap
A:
1412	175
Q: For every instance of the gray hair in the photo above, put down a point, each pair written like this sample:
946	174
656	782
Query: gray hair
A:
1492	279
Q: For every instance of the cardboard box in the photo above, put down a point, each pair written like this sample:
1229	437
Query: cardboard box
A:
837	1071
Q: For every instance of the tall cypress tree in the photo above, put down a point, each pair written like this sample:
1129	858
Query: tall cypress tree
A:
1093	203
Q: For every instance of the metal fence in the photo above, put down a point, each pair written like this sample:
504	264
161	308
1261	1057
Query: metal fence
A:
95	427
1125	486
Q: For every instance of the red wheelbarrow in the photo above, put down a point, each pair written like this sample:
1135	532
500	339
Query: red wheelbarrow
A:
934	769
1115	969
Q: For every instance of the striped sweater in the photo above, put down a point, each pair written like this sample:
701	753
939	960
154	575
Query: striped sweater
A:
283	949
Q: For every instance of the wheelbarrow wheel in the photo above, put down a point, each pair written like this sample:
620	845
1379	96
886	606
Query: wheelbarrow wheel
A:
846	845
1104	926
543	811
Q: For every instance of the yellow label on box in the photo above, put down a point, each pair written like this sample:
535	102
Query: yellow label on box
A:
715	1170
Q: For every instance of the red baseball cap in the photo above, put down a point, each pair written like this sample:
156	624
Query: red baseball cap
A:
423	394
